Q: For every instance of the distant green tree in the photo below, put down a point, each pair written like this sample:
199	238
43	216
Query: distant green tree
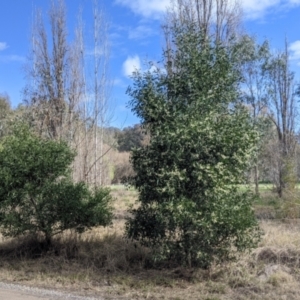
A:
130	137
5	113
36	193
202	141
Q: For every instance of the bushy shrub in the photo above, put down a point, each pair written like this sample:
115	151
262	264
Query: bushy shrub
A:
37	195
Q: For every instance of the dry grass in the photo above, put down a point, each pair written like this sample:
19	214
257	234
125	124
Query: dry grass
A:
103	263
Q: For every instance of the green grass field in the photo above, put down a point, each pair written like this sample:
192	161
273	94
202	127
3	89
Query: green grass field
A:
263	187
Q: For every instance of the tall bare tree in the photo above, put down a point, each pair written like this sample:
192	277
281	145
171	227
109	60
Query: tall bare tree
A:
218	18
254	58
95	107
49	73
101	114
282	113
64	102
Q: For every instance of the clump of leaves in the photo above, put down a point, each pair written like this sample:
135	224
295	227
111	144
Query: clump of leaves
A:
37	195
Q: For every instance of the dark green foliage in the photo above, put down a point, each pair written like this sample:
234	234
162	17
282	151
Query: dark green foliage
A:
202	141
37	194
130	137
5	114
123	173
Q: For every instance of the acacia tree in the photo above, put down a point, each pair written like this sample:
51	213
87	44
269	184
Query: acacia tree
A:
202	140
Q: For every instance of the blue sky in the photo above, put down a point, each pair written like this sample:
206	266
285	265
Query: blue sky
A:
135	37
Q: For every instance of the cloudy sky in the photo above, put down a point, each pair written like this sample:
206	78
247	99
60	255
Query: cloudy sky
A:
135	38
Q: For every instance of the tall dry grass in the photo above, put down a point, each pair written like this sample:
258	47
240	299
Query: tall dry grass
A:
102	262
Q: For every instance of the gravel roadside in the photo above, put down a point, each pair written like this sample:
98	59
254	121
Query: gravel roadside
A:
19	292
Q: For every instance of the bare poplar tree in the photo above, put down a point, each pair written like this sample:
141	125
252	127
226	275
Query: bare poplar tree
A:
63	101
282	113
218	18
254	87
49	73
95	105
101	57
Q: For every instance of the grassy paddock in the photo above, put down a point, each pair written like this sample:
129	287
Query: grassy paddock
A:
263	187
103	263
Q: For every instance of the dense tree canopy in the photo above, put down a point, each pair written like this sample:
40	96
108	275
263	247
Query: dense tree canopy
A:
202	141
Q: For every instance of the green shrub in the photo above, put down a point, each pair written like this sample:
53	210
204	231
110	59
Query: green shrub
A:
37	195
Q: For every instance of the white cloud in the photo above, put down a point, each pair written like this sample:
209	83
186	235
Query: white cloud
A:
118	82
99	51
295	51
131	64
140	32
147	8
253	9
3	46
12	58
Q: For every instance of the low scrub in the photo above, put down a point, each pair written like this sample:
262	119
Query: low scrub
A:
37	195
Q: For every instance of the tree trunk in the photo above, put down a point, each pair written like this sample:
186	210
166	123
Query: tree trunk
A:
256	180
